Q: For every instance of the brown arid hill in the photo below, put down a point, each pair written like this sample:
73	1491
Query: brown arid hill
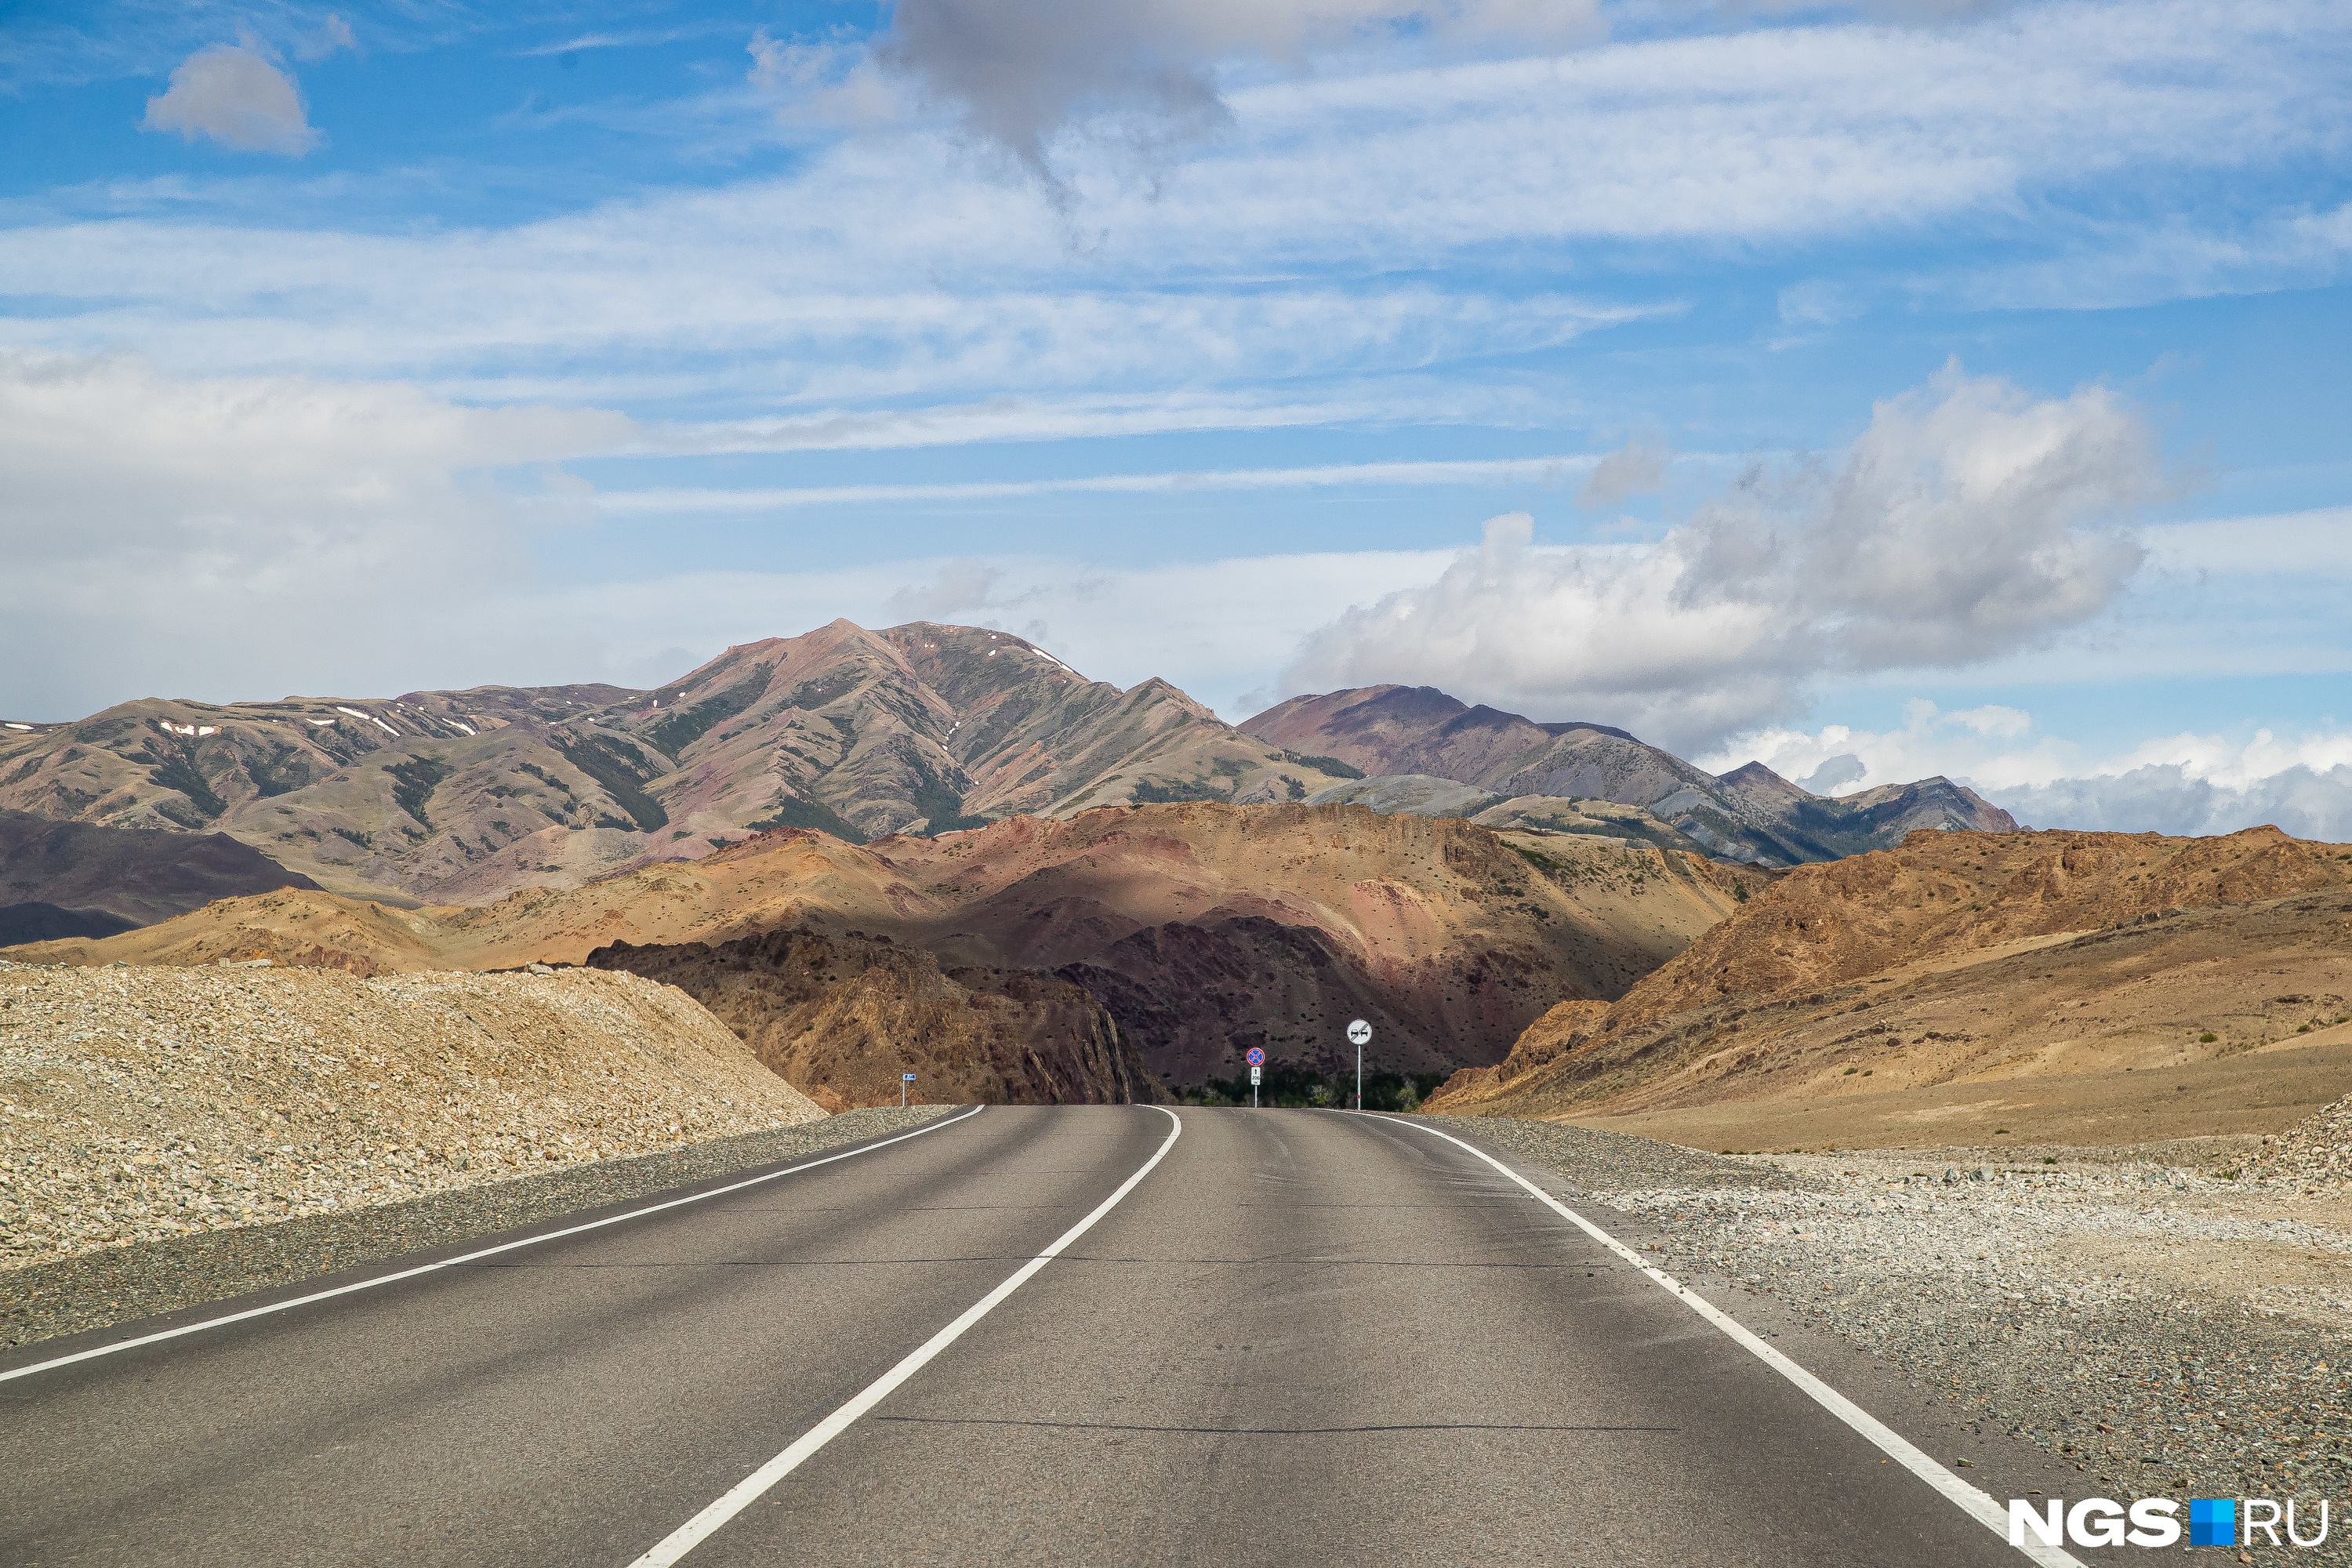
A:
1542	1041
453	797
1202	928
1749	813
1971	986
123	877
847	1015
147	1104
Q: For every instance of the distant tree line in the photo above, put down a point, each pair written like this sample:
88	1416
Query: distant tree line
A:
1290	1084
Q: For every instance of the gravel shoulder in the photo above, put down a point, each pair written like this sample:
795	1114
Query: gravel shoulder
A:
149	1279
2136	1315
141	1104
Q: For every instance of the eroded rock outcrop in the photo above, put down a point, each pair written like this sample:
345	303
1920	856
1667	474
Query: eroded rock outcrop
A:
841	1016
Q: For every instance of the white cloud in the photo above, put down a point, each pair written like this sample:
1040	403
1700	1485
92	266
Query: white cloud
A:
1965	523
958	586
1277	252
1990	746
333	33
1472	471
2170	797
247	536
1637	468
2186	783
826	83
231	93
228	538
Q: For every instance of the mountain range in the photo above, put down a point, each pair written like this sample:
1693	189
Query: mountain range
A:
73	880
453	797
1513	771
1198	929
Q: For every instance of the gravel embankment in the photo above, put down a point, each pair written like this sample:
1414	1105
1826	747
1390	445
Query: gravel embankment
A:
140	1104
2164	1330
146	1278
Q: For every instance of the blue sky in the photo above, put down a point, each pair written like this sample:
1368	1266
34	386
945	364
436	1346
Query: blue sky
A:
1955	387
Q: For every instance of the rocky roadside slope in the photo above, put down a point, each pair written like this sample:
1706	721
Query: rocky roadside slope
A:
1969	958
2169	1320
140	1104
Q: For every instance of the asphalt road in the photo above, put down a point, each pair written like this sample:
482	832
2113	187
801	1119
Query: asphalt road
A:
1304	1338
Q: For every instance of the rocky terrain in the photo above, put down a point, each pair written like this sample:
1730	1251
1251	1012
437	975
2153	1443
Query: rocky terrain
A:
846	1014
1750	813
2054	986
72	879
457	797
463	796
1202	928
1420	794
138	1104
2165	1322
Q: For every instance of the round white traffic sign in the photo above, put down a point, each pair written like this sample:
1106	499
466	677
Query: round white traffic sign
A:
1257	1056
1360	1033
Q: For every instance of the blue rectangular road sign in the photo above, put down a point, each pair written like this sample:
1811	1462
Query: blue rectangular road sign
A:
907	1076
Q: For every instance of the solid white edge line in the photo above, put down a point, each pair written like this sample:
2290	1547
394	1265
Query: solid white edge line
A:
747	1490
1974	1501
475	1257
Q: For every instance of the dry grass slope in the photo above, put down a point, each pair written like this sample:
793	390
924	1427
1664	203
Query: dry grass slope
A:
2059	986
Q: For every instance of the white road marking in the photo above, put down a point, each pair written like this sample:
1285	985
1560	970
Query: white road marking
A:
749	1489
474	1256
1974	1501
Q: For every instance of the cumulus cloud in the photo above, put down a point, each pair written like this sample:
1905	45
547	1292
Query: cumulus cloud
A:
1636	469
2309	803
251	535
232	93
1019	71
2186	783
1968	521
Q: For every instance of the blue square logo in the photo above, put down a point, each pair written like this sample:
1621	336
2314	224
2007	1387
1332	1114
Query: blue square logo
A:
2212	1522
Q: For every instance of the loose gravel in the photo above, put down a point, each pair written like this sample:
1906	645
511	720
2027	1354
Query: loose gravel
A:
147	1278
140	1104
2164	1329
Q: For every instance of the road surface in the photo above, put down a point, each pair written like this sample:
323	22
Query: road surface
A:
1301	1338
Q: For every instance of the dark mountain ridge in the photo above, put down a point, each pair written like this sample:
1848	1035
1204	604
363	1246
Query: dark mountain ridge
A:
73	878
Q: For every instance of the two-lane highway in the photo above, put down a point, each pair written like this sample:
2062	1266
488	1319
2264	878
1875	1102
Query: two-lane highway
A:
1300	1338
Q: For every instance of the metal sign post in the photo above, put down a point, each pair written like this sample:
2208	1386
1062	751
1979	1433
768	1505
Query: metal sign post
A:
1361	1034
1258	1064
904	1079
